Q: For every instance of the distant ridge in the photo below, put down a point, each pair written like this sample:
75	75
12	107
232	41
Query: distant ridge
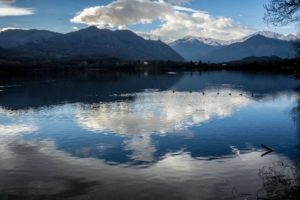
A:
126	45
16	37
256	46
261	44
257	59
99	43
273	35
191	48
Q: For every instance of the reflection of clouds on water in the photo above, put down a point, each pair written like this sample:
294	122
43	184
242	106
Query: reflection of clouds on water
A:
158	113
142	148
12	129
15	124
10	132
16	129
12	113
148	113
72	162
235	151
186	177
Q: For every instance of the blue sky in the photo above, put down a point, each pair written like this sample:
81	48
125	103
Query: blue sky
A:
219	19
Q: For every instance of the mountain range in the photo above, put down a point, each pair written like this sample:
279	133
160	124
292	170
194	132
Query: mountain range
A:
126	45
260	44
16	37
89	42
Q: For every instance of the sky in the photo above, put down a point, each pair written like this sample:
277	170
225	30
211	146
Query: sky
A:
167	19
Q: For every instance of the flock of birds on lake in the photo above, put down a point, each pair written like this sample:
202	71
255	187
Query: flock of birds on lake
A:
230	94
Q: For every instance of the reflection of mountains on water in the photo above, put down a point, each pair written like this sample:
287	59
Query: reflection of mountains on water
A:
140	130
34	94
133	133
142	109
38	93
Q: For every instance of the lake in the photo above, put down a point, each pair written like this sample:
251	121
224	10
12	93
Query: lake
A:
148	136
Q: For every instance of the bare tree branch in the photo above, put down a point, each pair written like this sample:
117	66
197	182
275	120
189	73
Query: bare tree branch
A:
282	12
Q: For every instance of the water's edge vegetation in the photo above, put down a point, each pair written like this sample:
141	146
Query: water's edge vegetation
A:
66	65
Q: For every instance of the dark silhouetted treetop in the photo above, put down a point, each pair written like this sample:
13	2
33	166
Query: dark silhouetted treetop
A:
282	12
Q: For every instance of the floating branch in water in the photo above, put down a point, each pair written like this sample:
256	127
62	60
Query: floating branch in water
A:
269	150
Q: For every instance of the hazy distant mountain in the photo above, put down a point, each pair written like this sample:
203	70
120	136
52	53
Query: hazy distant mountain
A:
270	34
208	41
195	48
260	44
124	44
100	43
258	59
257	45
16	37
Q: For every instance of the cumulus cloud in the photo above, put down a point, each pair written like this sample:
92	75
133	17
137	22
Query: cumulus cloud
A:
176	20
179	1
6	9
15	11
124	12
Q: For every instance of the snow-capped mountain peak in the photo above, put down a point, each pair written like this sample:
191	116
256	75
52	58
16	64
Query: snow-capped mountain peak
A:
208	41
268	34
278	36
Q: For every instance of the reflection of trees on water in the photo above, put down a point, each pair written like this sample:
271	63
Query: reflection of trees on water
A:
280	182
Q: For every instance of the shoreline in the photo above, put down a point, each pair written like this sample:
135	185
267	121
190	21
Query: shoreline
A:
74	66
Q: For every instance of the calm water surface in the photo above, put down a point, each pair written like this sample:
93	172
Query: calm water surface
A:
169	136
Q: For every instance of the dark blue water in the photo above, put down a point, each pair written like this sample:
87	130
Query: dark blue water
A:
168	136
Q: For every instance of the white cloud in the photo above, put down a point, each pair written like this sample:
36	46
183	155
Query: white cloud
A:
7	9
124	12
12	28
15	11
179	1
176	21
